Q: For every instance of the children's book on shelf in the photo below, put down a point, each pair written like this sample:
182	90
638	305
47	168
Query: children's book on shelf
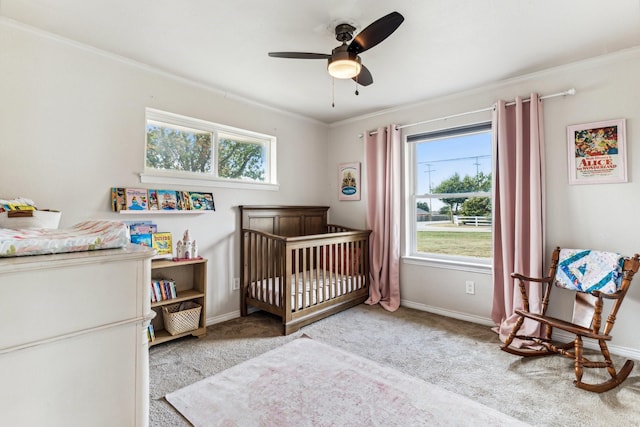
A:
156	289
141	227
141	239
167	200
136	199
163	244
151	335
162	290
118	199
184	200
202	201
153	200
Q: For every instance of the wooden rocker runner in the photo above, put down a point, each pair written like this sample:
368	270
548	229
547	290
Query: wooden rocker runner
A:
594	276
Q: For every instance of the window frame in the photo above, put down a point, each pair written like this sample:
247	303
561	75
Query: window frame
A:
159	176
411	255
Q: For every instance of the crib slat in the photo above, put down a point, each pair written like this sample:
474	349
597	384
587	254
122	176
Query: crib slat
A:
316	273
261	289
296	280
252	266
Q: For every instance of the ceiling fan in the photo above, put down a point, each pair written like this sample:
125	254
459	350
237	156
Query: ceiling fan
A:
344	61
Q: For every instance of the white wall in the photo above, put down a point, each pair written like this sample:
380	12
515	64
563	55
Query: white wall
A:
72	125
585	216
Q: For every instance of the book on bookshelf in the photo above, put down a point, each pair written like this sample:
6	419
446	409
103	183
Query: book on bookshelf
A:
184	200
141	239
136	199
163	290
156	290
202	201
167	200
141	227
162	243
117	199
151	335
153	200
152	293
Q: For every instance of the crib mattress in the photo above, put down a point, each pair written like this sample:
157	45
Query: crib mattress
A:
308	292
84	236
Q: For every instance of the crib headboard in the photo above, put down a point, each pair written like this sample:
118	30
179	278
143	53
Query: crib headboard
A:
286	221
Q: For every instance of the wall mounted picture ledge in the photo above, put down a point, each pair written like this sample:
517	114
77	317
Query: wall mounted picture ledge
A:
349	181
597	152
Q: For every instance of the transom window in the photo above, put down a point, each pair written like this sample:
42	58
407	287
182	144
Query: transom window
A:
185	147
451	193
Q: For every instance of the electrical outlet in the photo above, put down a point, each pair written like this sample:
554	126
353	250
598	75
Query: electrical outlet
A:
236	284
470	287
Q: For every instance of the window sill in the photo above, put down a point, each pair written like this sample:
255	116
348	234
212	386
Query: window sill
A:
204	182
482	267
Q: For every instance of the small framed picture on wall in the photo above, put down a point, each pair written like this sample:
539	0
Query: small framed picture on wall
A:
597	152
349	181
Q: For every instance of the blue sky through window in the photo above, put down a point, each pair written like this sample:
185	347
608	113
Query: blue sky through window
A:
439	159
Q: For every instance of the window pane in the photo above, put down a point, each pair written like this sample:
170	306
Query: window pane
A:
241	158
178	148
453	195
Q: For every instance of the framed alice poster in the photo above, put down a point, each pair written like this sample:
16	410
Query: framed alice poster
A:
597	152
349	181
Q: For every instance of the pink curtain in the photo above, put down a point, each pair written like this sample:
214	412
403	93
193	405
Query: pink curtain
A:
383	178
519	187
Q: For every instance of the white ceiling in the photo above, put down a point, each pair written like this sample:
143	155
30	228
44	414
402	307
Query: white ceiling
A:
443	46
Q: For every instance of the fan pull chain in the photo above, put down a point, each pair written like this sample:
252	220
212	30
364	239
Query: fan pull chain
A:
333	92
357	93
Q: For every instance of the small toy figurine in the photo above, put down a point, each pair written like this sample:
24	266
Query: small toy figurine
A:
180	249
185	248
186	241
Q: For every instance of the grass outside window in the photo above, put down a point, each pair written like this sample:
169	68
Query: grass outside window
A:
462	243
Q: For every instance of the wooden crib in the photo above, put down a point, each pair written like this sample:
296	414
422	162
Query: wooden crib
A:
298	267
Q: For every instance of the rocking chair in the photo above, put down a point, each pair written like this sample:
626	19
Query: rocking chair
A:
594	277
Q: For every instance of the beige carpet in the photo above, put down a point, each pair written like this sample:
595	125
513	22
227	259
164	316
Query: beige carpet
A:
308	383
458	356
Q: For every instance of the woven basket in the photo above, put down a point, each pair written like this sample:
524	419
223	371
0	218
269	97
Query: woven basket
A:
182	317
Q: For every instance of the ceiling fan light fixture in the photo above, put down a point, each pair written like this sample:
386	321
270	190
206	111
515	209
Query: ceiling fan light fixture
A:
344	61
344	66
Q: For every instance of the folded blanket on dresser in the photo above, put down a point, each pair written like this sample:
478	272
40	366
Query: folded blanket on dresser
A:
84	236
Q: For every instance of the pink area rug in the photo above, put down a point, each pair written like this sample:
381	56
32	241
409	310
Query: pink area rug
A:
307	383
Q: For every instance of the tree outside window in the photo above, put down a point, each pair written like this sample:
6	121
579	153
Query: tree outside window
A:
180	145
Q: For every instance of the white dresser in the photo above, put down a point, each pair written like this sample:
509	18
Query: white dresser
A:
73	346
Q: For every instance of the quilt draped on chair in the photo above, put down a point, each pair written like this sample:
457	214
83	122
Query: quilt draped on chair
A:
519	209
585	270
383	178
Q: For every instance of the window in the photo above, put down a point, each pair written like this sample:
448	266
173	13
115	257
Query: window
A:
181	147
450	204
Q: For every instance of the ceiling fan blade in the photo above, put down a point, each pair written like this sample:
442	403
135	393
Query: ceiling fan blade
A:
376	32
364	78
299	55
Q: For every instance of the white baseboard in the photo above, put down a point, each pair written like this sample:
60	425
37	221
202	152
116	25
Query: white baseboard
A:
557	335
448	313
223	317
